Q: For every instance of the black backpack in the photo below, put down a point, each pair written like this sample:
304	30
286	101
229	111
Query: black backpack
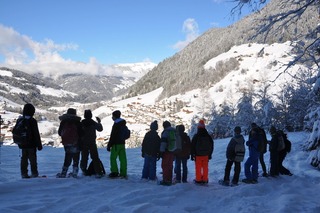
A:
21	132
203	146
124	133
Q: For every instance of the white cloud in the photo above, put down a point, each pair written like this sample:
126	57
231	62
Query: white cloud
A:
22	53
191	29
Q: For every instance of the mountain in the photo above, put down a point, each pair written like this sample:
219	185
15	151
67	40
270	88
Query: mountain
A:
186	70
21	87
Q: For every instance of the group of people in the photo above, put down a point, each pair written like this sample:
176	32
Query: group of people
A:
174	147
79	140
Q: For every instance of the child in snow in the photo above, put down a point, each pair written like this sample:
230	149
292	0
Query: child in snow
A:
70	132
29	150
251	165
150	152
182	156
235	154
201	153
88	144
117	147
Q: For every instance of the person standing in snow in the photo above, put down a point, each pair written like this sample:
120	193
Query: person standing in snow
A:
182	156
70	132
235	154
117	147
150	151
274	153
29	150
167	156
251	165
283	153
263	139
201	152
88	144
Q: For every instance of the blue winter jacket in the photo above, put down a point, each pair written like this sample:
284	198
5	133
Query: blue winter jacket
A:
253	146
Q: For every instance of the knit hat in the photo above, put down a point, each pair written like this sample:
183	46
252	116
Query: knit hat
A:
87	114
28	110
201	124
154	125
166	124
237	129
116	114
254	125
72	111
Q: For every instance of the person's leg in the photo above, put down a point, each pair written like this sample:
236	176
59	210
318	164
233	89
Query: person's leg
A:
227	170
152	168
24	163
237	170
178	169
205	169
185	170
123	160
146	169
113	160
84	159
32	155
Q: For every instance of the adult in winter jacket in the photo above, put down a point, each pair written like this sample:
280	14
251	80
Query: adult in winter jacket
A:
235	154
251	165
88	143
150	151
181	157
263	139
166	154
274	153
201	152
29	150
117	147
70	132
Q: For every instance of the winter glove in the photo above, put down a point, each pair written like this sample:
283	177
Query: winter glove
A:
98	119
39	148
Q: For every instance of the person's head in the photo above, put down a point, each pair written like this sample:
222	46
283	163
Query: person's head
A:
237	130
201	124
28	110
254	125
273	130
87	114
154	126
71	111
166	124
116	114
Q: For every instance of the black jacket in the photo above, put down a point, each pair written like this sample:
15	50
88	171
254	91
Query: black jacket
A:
151	144
89	128
35	140
115	136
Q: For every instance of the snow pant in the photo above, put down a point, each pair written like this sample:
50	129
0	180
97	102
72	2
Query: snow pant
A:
149	167
202	168
29	154
72	154
263	165
93	150
118	150
283	170
237	170
167	166
251	168
274	160
181	162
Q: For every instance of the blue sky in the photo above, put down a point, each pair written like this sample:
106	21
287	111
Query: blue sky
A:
103	32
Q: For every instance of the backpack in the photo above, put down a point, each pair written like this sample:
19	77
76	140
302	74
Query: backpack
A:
173	138
288	145
262	142
21	132
125	133
203	146
69	134
281	144
91	170
239	150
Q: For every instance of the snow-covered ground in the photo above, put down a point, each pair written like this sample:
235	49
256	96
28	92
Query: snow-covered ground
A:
297	193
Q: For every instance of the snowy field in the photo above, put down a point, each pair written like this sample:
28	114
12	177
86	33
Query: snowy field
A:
298	193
